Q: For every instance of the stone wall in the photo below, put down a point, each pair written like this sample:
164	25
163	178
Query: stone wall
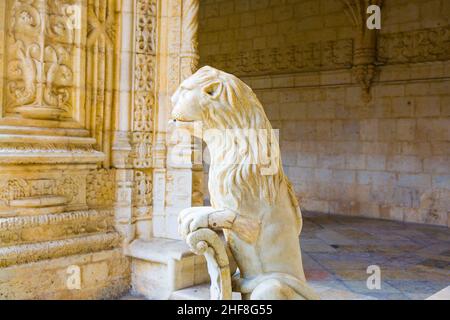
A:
367	138
270	37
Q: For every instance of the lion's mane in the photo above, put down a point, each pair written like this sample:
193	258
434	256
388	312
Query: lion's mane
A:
237	107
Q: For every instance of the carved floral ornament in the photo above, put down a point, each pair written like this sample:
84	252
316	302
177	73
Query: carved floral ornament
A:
415	46
144	88
100	187
41	56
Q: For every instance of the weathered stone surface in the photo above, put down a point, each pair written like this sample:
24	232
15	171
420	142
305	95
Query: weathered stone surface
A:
103	274
252	200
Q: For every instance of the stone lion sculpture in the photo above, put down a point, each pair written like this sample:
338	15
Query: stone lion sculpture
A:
253	203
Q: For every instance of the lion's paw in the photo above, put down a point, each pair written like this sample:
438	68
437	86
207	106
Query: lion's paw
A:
192	219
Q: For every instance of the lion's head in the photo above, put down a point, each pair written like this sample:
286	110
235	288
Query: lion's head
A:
218	99
222	102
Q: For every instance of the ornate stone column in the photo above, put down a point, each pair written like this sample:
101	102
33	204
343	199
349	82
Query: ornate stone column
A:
163	264
134	118
178	185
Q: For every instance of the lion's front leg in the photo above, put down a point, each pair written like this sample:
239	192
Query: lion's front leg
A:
194	218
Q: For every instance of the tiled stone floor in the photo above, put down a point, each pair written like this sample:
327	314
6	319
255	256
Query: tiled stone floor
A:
414	259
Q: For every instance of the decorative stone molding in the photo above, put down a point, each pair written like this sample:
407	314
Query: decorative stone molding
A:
313	56
22	229
32	252
14	223
416	46
143	107
144	82
159	150
23	195
31	153
123	206
141	153
142	202
142	188
366	39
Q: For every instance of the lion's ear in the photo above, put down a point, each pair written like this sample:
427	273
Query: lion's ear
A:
213	89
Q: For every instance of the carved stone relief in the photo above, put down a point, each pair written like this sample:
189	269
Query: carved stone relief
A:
17	230
58	71
40	195
416	46
43	48
144	87
25	153
100	188
144	82
142	194
300	58
141	152
19	188
59	60
143	188
32	252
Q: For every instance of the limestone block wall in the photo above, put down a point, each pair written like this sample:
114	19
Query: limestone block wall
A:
358	137
251	37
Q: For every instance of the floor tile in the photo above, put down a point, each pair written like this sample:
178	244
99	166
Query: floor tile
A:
414	259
